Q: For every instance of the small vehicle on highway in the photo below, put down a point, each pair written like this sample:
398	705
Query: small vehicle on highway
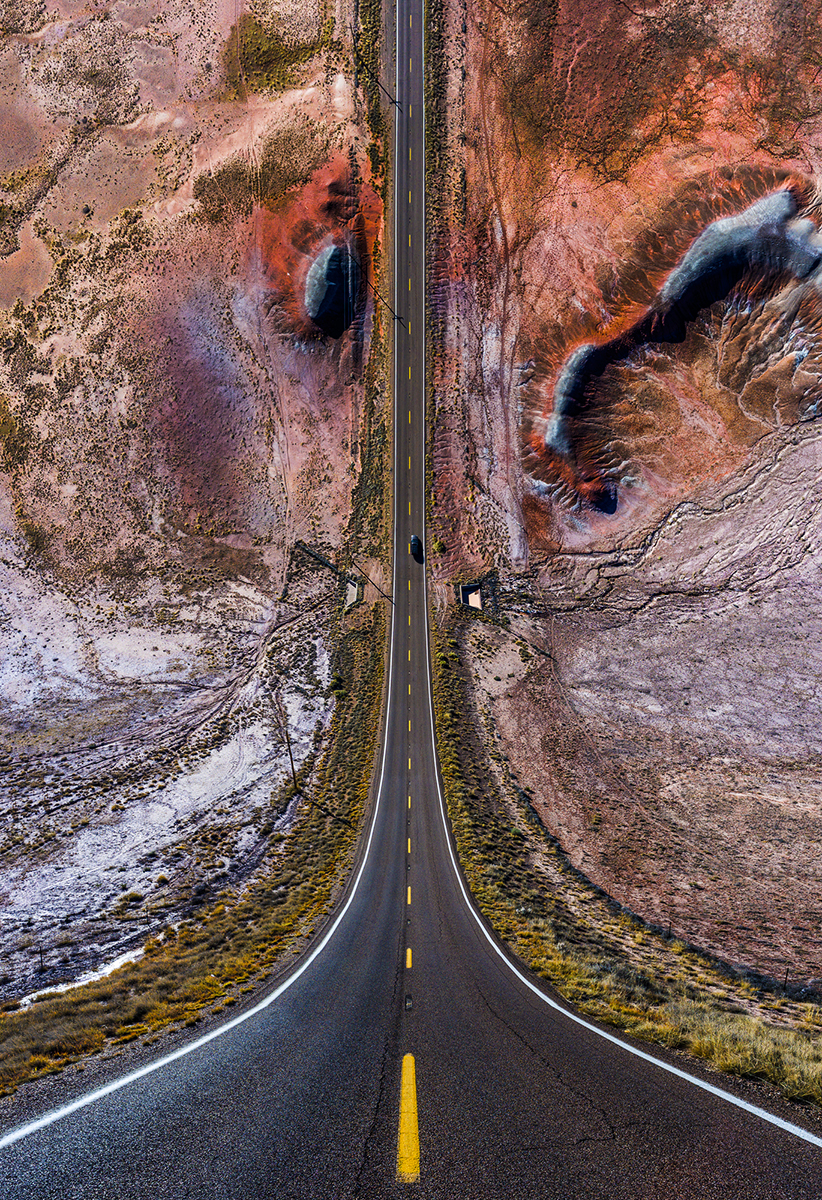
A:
416	548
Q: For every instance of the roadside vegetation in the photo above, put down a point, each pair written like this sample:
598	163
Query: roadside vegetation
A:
258	58
368	56
208	964
607	962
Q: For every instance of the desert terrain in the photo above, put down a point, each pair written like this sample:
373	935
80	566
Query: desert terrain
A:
190	199
628	373
625	276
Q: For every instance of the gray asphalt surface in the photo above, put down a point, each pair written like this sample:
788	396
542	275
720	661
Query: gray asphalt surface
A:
301	1101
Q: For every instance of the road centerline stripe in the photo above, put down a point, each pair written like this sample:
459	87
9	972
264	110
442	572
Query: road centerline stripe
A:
408	1140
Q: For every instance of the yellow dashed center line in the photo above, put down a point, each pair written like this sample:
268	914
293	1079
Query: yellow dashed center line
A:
408	959
409	801
408	1141
409	845
408	901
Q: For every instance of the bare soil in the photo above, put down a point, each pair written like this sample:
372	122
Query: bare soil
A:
666	722
172	427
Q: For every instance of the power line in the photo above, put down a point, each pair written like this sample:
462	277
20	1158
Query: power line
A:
375	77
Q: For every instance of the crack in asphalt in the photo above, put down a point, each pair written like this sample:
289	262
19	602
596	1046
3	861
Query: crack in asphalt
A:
388	1052
559	1078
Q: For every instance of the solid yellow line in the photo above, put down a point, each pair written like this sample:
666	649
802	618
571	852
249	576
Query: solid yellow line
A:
408	958
409	894
408	1142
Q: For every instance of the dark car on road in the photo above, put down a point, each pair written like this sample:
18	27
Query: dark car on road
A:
416	547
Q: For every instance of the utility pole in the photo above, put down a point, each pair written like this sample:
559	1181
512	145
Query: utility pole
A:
283	719
396	316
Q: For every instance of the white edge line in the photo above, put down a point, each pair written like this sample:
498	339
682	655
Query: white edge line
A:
83	1101
115	1085
728	1097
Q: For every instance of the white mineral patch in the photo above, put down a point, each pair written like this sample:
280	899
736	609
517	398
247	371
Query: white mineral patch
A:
122	960
315	282
137	653
42	650
100	862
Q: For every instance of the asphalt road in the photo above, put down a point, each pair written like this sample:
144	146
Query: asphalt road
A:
301	1100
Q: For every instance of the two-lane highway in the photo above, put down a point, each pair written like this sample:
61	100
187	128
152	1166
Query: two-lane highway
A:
313	1095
